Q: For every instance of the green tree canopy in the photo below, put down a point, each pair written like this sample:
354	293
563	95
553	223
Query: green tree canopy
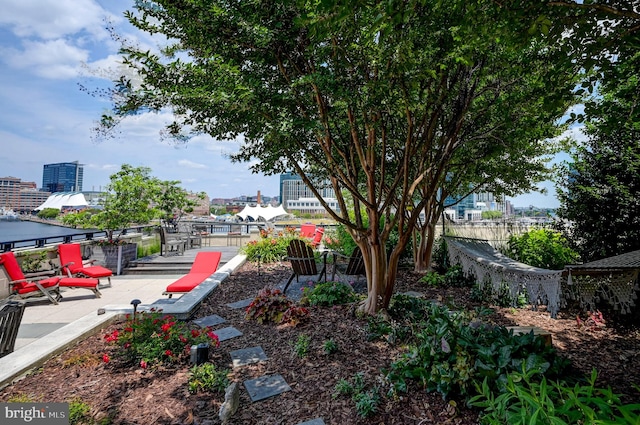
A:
599	189
387	101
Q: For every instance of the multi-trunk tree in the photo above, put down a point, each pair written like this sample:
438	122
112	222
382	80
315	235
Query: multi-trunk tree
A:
386	101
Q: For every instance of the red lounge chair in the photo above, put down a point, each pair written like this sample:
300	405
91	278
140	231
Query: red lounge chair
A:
307	230
205	264
21	286
317	237
49	284
72	264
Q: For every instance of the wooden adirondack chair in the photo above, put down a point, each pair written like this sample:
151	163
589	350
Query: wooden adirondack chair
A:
303	262
348	266
11	312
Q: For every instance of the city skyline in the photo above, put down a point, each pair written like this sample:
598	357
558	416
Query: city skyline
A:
50	49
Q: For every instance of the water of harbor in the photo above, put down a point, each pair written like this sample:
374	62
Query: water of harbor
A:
16	230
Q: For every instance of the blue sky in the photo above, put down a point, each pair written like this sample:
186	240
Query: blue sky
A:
48	48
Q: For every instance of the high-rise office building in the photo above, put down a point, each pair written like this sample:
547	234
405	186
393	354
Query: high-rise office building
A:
292	188
62	177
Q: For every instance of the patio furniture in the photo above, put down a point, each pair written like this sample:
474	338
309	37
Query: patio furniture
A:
23	287
317	237
11	312
303	262
352	265
170	242
204	265
48	286
73	265
307	230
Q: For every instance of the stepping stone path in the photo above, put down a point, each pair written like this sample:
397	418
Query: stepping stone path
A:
248	356
266	386
213	320
227	333
258	388
241	303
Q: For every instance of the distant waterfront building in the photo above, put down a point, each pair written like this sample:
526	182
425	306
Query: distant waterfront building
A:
296	195
63	177
20	196
470	207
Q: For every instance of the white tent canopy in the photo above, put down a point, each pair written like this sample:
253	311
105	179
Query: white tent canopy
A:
61	200
265	213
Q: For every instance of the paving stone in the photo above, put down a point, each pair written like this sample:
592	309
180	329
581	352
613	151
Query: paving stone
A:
227	333
316	421
241	303
247	356
266	386
212	320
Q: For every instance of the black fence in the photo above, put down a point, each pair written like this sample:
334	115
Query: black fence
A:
85	235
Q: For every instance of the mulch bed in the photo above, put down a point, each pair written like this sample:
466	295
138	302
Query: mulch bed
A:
161	396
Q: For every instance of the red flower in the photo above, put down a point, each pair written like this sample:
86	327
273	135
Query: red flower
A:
105	358
166	327
128	329
127	345
168	353
182	339
195	333
143	364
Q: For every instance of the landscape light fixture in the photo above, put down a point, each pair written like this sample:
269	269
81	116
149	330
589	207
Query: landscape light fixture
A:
135	303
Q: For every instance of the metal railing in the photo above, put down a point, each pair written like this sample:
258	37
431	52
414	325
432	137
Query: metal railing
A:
85	235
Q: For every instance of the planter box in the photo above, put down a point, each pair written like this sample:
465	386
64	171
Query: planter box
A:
116	257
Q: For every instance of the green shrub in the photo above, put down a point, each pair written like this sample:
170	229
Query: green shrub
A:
31	263
366	402
301	346
330	347
205	377
329	293
339	240
145	251
270	247
433	279
149	338
79	412
543	248
531	401
452	353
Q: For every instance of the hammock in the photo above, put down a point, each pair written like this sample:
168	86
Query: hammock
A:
612	279
490	267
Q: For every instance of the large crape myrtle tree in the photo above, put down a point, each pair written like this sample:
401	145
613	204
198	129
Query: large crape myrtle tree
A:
384	101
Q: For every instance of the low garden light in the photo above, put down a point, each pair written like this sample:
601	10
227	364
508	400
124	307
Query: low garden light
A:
135	303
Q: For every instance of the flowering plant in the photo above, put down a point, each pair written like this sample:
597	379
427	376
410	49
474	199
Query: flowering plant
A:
271	305
150	338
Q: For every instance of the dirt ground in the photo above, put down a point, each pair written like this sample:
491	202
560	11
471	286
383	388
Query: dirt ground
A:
161	396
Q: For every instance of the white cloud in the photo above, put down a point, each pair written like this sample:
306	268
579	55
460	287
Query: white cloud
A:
52	19
55	59
190	164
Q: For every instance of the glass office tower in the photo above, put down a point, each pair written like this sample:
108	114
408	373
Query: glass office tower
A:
62	177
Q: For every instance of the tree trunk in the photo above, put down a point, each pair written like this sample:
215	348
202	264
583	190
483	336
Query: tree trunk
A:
375	257
425	249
